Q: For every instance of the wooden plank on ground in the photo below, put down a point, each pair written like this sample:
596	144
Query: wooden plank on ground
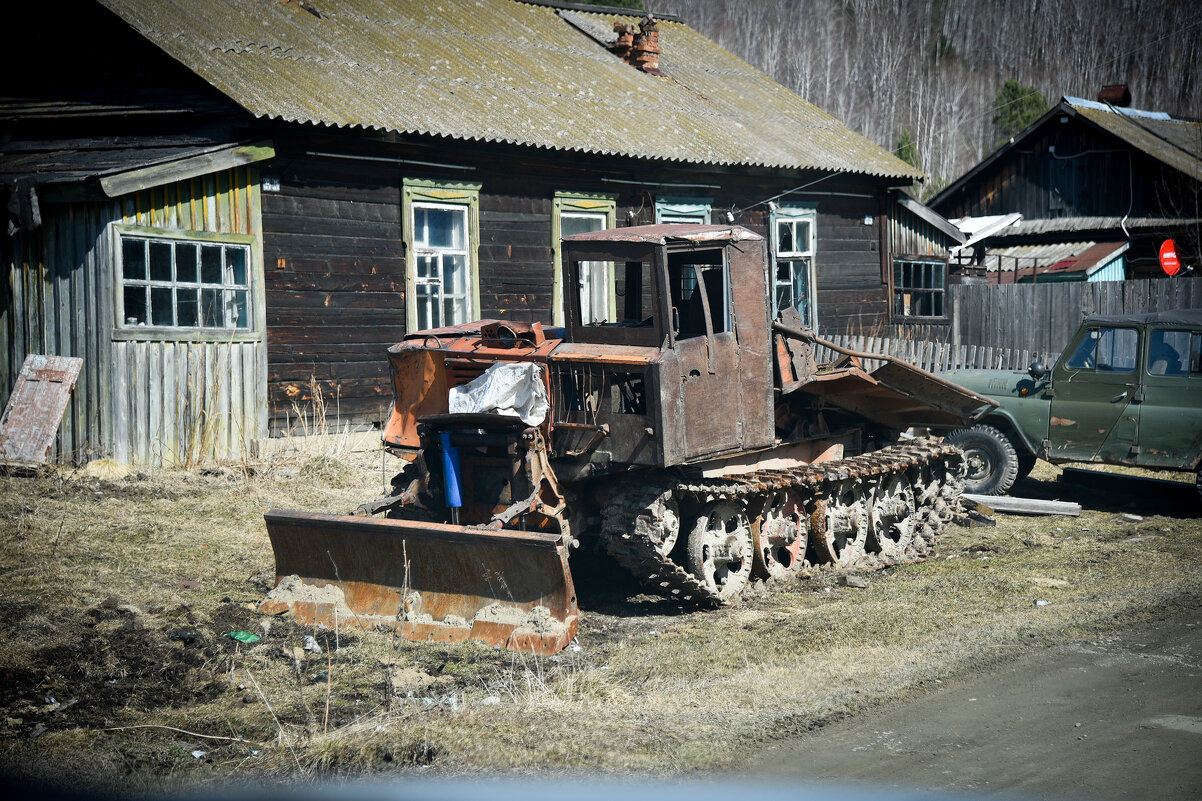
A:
1026	506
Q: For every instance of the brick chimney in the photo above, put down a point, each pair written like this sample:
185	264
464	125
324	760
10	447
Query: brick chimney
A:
639	45
1116	94
621	48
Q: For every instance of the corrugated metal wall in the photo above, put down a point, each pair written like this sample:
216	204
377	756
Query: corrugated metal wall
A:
141	398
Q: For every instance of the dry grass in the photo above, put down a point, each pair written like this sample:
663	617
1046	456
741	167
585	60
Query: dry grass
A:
99	576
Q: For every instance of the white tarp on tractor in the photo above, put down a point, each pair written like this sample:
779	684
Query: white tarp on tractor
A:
515	389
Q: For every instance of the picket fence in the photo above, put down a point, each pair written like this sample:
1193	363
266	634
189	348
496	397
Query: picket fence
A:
934	357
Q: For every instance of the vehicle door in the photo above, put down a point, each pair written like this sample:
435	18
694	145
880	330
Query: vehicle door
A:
1093	385
1170	409
706	349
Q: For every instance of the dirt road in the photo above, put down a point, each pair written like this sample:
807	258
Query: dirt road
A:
1120	717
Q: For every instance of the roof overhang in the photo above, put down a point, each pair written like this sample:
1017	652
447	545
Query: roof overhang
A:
181	169
933	217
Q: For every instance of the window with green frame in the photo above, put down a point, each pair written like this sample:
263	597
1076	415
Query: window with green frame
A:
189	280
440	225
575	214
683	210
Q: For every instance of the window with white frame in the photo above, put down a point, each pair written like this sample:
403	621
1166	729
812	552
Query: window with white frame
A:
440	231
440	244
919	288
793	243
169	282
595	282
682	210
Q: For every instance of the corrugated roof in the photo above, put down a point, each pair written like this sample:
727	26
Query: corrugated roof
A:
1071	224
1058	257
1177	143
499	71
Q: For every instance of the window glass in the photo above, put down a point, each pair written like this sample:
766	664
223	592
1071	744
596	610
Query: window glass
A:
160	261
133	259
180	284
793	263
442	281
210	264
697	279
1106	350
1173	352
919	288
185	263
593	277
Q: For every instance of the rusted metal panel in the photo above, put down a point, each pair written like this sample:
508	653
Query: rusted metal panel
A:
429	581
36	407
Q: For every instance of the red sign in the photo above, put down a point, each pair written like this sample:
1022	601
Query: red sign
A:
1168	257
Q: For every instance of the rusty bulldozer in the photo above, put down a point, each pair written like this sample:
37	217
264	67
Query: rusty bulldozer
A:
674	424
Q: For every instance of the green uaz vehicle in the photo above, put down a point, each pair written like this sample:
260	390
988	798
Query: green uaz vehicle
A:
1127	390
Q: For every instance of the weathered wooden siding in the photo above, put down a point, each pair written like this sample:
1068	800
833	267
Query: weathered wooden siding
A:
138	395
1067	170
1042	317
516	269
55	305
851	297
934	356
191	396
335	281
335	260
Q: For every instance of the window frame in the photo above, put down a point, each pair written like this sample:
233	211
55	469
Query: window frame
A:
440	194
794	213
896	289
1087	335
122	330
686	210
577	203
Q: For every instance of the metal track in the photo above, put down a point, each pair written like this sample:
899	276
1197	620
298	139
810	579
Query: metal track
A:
633	518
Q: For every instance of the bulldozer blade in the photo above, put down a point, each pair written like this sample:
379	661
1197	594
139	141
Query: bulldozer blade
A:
430	582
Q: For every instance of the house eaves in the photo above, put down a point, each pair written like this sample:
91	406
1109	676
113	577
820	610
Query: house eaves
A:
499	71
932	217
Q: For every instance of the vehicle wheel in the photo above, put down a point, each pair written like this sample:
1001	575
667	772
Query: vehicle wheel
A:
990	458
720	549
661	524
1199	484
891	517
779	535
839	525
1026	463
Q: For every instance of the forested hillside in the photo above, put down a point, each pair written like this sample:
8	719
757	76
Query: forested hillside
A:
934	68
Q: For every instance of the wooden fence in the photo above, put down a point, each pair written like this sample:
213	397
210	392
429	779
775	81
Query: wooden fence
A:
931	356
1008	326
1042	317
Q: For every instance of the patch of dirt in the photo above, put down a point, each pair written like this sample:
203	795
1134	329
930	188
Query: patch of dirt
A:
97	666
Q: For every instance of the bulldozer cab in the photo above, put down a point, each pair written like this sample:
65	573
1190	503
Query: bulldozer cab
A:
698	294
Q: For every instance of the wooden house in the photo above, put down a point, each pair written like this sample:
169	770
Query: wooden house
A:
1089	178
231	209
